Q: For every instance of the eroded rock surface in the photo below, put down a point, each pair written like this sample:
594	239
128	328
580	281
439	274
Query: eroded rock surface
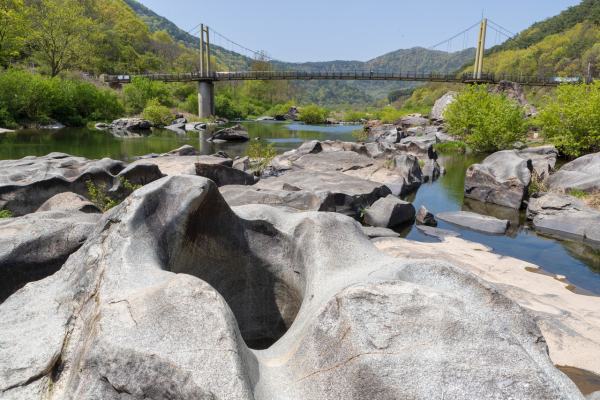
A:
236	195
388	212
236	133
502	178
476	222
437	112
27	183
173	289
222	175
130	124
582	173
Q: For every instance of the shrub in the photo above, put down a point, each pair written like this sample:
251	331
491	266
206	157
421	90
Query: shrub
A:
105	203
260	158
157	114
191	104
313	114
141	90
285	108
354	116
572	122
359	135
5	214
456	146
486	121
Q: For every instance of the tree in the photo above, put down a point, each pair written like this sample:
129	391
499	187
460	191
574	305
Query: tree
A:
572	121
313	114
488	122
14	27
63	35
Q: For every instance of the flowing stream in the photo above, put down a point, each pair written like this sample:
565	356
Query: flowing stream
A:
578	262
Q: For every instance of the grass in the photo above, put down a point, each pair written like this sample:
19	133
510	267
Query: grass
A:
457	147
388	163
580	194
591	200
537	184
421	163
359	135
105	203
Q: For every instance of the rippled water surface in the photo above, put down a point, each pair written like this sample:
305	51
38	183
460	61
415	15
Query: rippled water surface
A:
580	263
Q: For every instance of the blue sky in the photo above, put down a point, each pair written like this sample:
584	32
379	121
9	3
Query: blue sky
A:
325	30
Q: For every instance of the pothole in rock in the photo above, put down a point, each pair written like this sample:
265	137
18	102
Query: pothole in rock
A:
249	267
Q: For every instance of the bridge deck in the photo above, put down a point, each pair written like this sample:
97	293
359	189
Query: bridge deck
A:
336	74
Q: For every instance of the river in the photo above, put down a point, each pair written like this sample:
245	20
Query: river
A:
578	262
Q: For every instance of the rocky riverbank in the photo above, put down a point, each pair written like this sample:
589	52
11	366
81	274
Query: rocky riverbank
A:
234	287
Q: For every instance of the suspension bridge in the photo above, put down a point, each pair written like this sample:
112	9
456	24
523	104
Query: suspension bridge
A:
237	71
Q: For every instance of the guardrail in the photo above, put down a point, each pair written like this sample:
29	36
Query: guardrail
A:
343	75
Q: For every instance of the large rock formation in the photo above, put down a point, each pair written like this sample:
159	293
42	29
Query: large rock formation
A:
543	159
437	112
514	91
222	175
236	195
292	113
582	173
174	289
502	178
236	133
476	222
565	216
27	183
412	120
388	212
130	124
35	246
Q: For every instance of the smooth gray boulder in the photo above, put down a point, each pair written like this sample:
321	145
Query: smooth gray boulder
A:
582	173
388	212
265	119
424	217
408	175
436	232
437	112
432	170
185	150
177	128
292	113
475	222
566	217
176	295
243	164
130	124
36	245
236	133
350	192
515	92
179	121
195	126
412	120
236	195
222	175
279	117
69	201
28	183
543	159
183	164
333	161
373	232
394	135
502	178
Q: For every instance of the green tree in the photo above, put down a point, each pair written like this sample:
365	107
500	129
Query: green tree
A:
141	90
14	27
572	121
486	121
63	35
157	114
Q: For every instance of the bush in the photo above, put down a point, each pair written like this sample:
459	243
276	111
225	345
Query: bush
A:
456	146
191	104
285	108
313	114
354	116
260	158
359	135
5	214
157	114
572	122
387	115
486	121
141	90
105	203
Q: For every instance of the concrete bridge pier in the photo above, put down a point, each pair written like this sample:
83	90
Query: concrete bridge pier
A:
206	99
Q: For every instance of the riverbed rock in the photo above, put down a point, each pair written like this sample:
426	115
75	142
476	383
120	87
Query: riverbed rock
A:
185	150
476	222
179	121
350	192
374	232
236	133
437	112
431	171
36	245
582	173
424	217
388	212
265	119
514	91
175	165
101	125
279	117
130	124
242	164
394	135
292	113
195	126
69	201
566	217
543	159
336	161
502	178
301	199
412	120
436	232
401	175
28	183
222	175
134	315
3	130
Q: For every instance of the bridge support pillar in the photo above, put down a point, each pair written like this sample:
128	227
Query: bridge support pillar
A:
206	99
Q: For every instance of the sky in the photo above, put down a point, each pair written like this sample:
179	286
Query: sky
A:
327	30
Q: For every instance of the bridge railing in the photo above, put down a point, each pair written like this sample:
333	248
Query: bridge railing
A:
337	74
